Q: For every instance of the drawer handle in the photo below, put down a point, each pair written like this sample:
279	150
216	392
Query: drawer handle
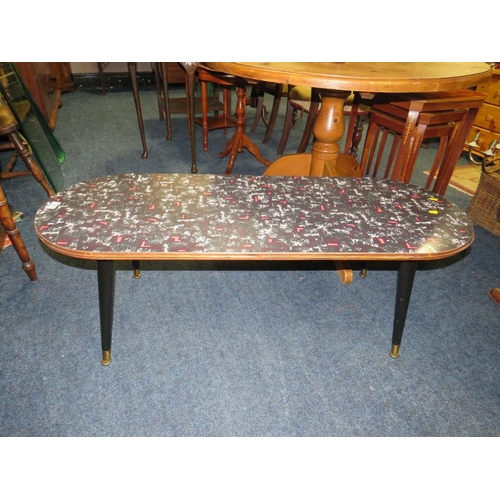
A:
490	119
497	93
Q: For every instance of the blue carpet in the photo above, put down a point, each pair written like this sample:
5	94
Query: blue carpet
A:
241	349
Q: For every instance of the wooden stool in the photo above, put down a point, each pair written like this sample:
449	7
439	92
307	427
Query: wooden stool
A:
10	129
12	231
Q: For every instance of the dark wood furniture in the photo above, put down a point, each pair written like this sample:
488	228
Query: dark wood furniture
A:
136	217
336	81
218	119
412	118
11	230
46	81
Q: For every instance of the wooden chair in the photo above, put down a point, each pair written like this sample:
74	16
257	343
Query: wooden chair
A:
412	118
11	230
307	100
300	100
9	128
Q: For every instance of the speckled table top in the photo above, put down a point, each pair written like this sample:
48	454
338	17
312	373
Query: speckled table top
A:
186	216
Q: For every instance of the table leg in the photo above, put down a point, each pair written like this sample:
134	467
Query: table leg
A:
328	130
240	140
190	68
106	285
406	275
132	68
136	264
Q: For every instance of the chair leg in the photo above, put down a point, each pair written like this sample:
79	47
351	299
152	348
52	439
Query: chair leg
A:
274	112
287	126
100	68
308	128
369	148
30	162
166	98
159	95
204	112
9	224
437	160
258	112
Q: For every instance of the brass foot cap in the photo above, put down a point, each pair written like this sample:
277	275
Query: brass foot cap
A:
137	274
394	351
106	358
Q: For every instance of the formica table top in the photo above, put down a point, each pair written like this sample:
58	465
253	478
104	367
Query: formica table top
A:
186	216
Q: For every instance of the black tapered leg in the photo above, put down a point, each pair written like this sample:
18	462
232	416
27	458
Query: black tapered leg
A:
137	268
106	284
406	275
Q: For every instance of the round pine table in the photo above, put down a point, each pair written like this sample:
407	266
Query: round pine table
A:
336	80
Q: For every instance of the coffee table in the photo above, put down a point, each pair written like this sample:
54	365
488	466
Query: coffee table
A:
134	217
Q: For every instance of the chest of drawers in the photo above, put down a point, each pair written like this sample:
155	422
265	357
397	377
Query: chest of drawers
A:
484	137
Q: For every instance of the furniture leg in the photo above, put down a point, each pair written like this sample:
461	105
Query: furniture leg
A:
100	68
132	68
190	74
274	114
406	275
164	81
12	231
136	264
328	130
240	140
32	165
106	285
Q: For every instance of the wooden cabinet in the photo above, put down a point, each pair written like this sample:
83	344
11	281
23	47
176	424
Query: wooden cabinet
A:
46	81
486	128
